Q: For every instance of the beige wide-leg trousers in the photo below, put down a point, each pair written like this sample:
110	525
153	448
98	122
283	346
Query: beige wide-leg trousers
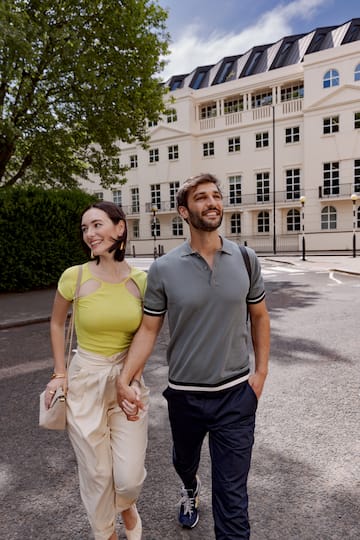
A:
110	450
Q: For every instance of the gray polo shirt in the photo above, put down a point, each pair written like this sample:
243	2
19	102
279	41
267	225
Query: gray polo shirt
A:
207	312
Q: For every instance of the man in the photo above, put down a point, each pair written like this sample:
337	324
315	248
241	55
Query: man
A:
204	287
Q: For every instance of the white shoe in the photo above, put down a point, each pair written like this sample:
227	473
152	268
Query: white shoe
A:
135	533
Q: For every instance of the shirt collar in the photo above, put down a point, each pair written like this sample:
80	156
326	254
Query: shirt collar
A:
187	250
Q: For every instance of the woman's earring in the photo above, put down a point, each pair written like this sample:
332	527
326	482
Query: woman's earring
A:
121	246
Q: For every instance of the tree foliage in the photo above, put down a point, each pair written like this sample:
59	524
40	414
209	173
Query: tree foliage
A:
40	235
76	78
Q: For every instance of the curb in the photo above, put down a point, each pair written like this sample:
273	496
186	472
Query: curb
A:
24	322
349	272
278	261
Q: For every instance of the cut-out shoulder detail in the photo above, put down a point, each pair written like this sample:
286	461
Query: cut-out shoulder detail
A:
92	285
89	287
132	287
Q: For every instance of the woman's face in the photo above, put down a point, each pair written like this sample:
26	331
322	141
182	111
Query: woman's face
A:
99	232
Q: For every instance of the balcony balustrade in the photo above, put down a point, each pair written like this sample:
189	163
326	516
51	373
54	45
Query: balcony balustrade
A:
258	114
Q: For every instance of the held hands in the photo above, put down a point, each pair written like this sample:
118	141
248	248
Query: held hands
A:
129	398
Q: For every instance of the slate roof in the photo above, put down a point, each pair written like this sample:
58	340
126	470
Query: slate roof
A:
287	51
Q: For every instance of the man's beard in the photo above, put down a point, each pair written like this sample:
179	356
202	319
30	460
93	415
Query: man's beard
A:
201	224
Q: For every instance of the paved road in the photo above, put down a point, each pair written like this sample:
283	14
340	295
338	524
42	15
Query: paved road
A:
304	482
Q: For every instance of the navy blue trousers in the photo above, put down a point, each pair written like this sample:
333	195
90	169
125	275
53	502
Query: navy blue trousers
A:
229	419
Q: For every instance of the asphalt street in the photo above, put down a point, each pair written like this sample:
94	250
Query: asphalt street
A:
304	481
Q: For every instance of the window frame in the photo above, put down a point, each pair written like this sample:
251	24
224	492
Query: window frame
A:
293	220
117	196
292	92
293	183
135	200
136	228
331	124
173	189
235	193
133	161
262	139
177	226
262	187
292	135
171	116
234	144
356	175
235	223
233	105
208	149
261	99
357	120
357	73
263	222
173	152
331	178
328	218
331	78
155	195
208	110
154	156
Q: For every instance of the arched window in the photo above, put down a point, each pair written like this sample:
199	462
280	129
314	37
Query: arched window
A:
235	223
293	220
328	218
357	73
331	78
177	226
263	222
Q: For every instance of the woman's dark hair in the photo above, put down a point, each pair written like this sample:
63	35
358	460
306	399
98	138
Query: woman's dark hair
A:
116	214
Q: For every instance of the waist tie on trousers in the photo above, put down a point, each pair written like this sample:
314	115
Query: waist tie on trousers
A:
96	374
88	358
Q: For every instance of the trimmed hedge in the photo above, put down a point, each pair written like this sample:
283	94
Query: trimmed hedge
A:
39	235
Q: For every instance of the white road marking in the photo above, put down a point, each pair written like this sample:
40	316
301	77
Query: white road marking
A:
331	276
22	369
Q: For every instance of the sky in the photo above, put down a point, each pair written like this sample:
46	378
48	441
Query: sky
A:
204	31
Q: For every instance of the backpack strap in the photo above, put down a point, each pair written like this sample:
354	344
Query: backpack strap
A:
246	258
245	255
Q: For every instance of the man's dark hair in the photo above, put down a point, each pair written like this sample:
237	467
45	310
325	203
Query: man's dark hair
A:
192	182
116	214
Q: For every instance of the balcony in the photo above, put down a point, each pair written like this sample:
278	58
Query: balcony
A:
338	192
131	210
258	114
162	206
283	198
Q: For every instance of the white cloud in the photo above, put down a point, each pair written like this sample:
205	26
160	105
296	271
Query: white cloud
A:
190	51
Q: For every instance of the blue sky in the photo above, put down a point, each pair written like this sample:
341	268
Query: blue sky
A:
204	31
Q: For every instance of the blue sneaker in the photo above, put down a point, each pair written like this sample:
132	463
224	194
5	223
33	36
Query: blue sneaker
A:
189	503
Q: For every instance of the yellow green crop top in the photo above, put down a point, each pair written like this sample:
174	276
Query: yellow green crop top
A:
106	319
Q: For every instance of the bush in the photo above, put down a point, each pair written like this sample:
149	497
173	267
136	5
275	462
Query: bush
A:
39	235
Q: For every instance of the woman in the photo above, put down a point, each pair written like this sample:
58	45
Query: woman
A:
110	449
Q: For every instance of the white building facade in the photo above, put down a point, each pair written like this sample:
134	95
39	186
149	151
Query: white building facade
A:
279	126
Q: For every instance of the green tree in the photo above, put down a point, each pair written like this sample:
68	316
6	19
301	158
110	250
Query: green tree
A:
76	78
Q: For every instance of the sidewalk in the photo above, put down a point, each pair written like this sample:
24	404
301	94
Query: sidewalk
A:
20	309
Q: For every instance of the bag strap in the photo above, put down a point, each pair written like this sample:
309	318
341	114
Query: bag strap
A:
246	258
70	330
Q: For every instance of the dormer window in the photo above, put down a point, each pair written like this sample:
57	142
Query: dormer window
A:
357	73
331	78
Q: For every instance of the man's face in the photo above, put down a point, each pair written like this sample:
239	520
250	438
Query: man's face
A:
205	207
